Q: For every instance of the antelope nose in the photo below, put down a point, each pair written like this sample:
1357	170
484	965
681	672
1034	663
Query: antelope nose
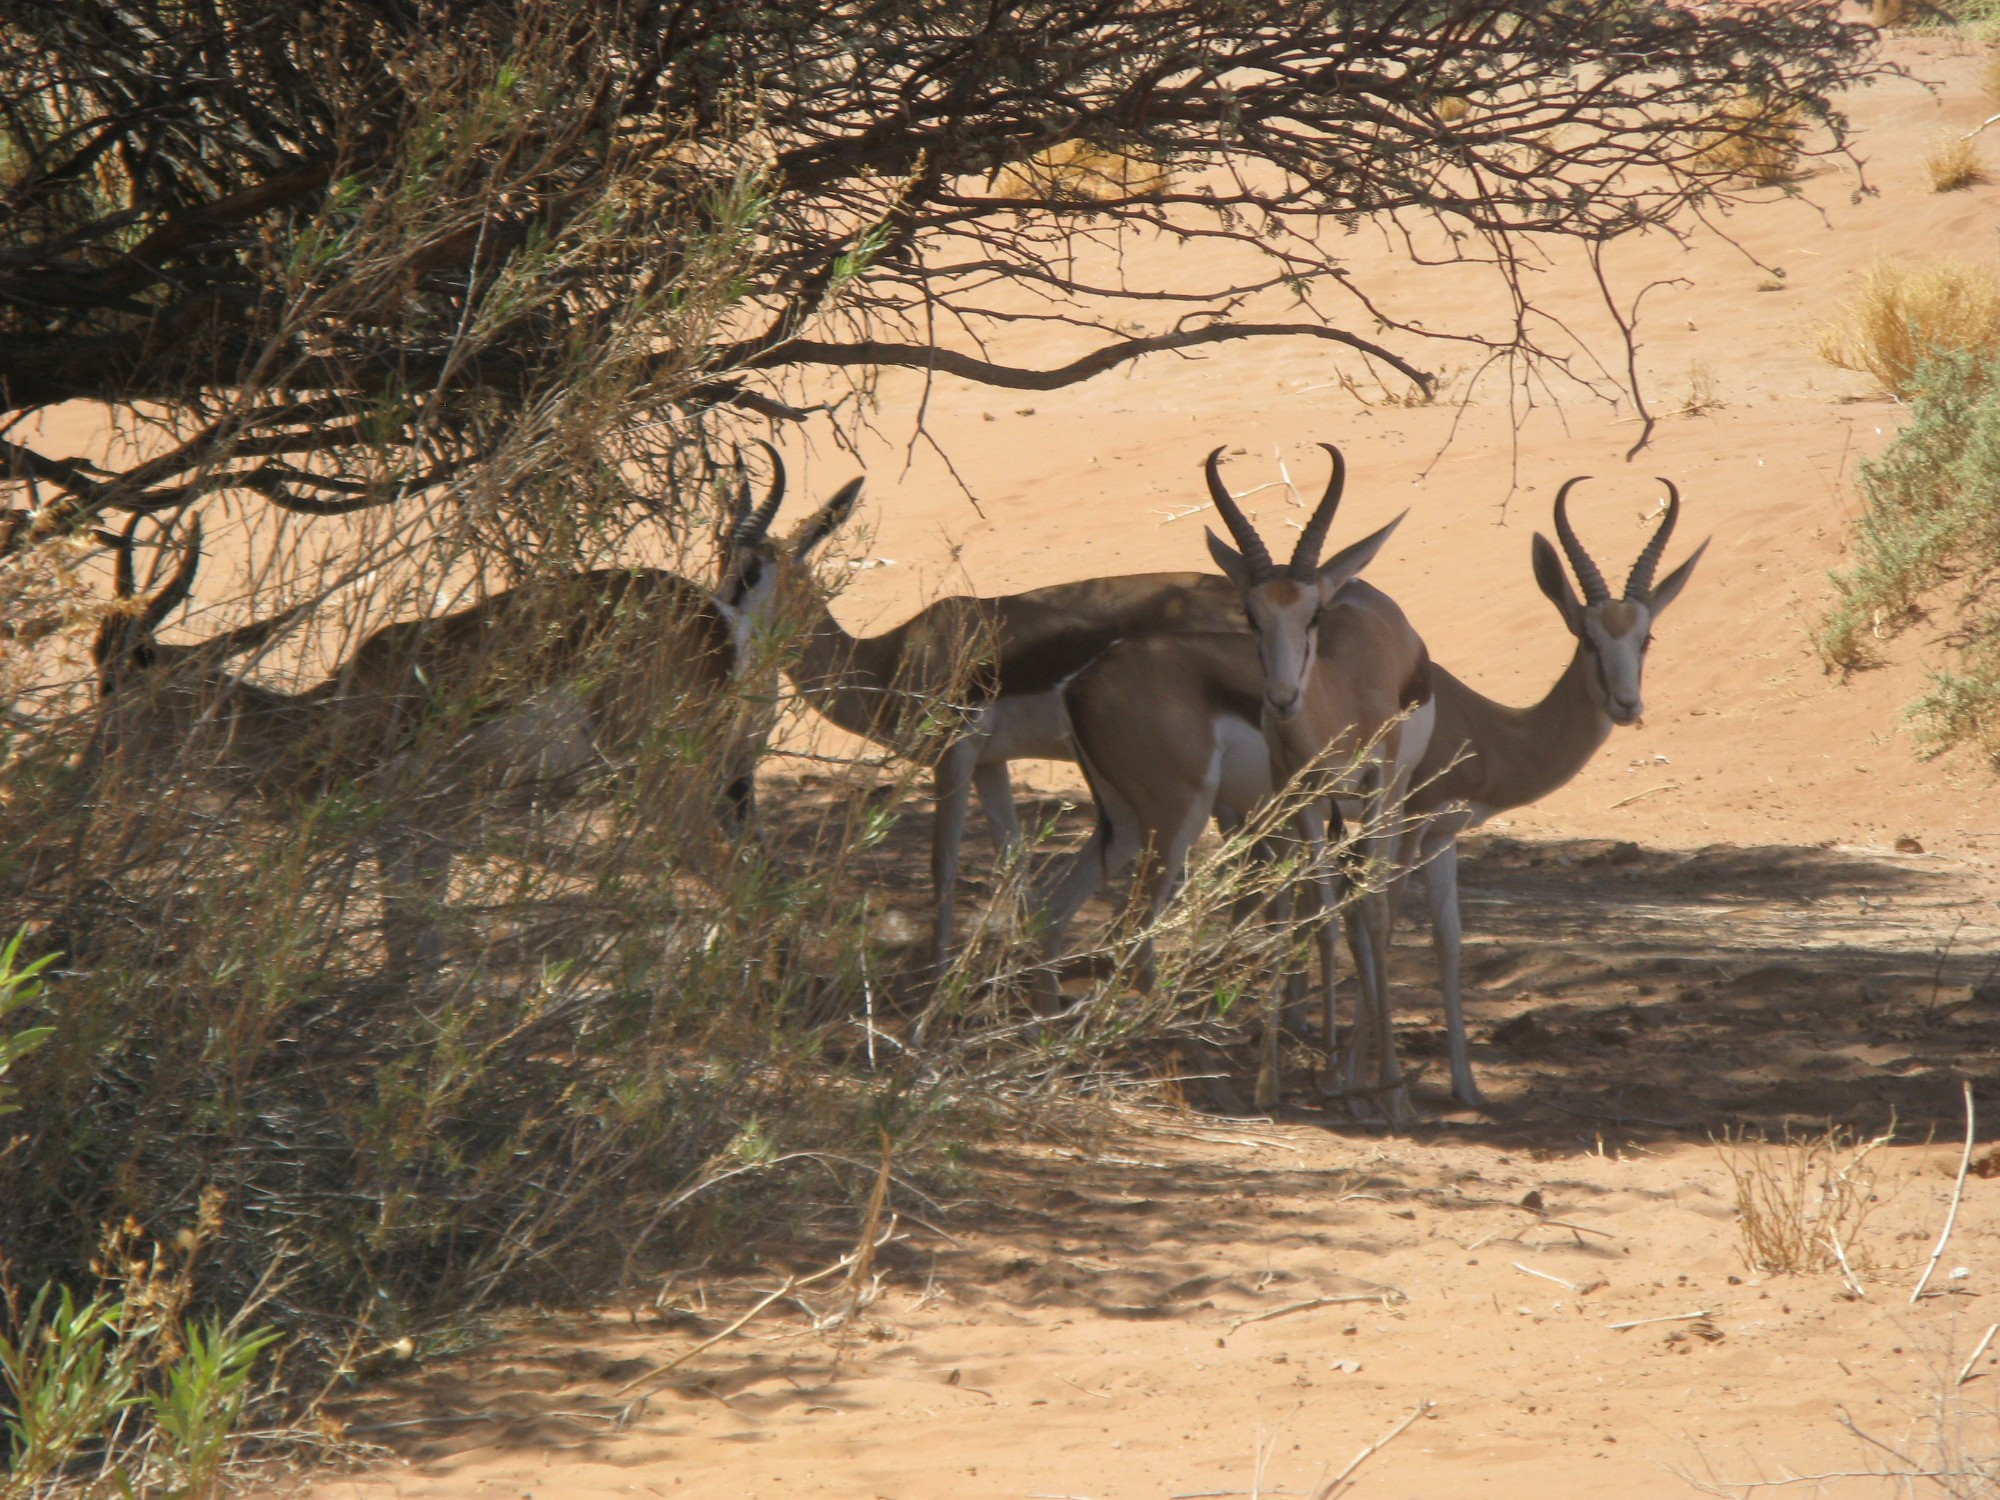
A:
1284	697
1625	711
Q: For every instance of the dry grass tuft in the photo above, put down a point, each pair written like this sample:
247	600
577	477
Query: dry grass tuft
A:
1082	172
1953	164
1904	312
1802	1203
1751	139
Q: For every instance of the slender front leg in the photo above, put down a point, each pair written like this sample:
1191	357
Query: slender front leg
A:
996	798
1440	876
953	791
416	871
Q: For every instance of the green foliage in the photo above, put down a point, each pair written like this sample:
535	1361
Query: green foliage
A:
18	987
149	1405
1929	532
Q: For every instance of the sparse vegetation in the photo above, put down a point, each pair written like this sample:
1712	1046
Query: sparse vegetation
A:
1803	1202
1930	524
1082	171
1904	312
1753	139
412	304
1953	164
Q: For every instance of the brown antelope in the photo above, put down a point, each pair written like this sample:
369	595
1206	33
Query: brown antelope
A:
514	701
1171	730
1004	660
1485	757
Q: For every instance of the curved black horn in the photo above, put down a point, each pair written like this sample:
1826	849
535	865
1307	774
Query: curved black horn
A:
169	598
1305	556
739	513
1639	587
753	526
1247	541
1595	591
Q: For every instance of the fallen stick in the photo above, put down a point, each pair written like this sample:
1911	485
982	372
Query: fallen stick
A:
1387	1296
1334	1485
1846	1271
1665	786
792	1284
1541	1218
1965	1372
1100	1395
1957	1193
1558	1280
1990	119
1706	1312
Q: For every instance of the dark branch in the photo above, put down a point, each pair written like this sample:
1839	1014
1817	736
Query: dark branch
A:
1013	377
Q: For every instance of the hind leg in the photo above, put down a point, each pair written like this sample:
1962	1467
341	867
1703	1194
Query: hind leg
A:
416	872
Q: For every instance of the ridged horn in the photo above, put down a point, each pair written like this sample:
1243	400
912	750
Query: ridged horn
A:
1305	556
739	513
753	526
1251	545
1595	590
1639	587
178	587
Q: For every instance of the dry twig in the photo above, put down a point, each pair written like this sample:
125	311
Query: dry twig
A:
1339	1481
1957	1194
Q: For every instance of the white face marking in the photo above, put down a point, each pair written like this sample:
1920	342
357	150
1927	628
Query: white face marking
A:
1616	634
1284	614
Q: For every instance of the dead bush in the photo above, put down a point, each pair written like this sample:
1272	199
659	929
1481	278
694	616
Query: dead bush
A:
1953	163
1803	1202
1082	172
1905	312
1750	139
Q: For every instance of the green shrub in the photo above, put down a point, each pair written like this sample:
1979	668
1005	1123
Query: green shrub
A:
1929	530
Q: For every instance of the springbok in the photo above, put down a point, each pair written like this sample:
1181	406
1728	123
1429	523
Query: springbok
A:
1485	757
1171	730
1005	659
507	701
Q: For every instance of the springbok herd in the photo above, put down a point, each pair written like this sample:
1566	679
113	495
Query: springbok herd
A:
1183	697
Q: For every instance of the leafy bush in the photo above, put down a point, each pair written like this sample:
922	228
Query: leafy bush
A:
1930	524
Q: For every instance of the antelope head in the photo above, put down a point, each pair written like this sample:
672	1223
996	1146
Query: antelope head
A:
1612	633
755	567
1284	605
127	646
127	649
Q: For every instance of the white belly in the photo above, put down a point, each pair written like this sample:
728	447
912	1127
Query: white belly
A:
1024	726
1244	780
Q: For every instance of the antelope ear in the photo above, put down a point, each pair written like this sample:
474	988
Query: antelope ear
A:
1345	565
1664	592
828	519
1555	583
1228	559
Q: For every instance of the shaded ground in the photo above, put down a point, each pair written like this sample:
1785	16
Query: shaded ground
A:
1665	993
1095	1321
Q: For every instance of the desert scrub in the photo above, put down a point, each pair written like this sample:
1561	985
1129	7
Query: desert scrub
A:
1953	164
1803	1202
1750	140
1904	312
1083	172
1930	527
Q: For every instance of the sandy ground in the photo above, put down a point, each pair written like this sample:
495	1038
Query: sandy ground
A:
1711	926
